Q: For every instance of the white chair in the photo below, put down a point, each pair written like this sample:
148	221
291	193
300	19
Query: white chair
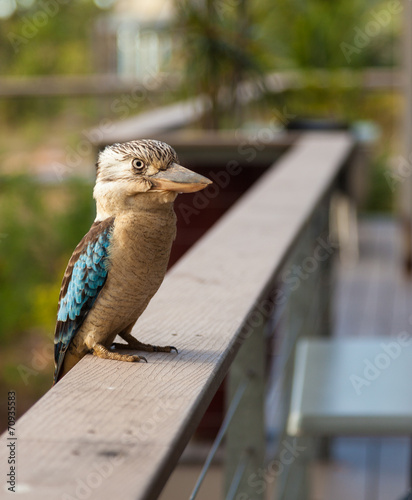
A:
352	387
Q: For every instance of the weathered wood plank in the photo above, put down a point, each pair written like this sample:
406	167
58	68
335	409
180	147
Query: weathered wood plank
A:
115	430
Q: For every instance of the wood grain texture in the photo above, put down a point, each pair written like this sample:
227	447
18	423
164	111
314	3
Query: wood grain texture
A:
115	430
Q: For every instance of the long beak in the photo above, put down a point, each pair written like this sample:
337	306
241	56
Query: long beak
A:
180	179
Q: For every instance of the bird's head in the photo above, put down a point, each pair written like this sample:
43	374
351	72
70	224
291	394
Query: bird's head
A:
143	166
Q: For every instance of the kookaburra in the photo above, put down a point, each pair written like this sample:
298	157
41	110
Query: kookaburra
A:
119	265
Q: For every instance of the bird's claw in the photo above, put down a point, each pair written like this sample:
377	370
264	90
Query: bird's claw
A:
135	358
135	345
168	348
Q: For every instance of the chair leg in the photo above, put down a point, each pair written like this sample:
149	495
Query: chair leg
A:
373	466
410	468
324	448
294	482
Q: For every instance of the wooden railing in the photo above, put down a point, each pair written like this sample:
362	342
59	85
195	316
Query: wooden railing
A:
116	430
111	84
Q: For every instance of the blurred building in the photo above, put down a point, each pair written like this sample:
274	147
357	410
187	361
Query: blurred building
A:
136	39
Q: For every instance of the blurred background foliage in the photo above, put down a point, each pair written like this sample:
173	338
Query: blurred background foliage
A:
220	49
309	35
40	223
42	217
59	45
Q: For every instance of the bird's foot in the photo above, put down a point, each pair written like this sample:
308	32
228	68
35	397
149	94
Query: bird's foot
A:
133	343
101	351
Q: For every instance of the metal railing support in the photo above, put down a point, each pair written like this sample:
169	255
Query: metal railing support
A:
309	314
246	434
234	403
292	483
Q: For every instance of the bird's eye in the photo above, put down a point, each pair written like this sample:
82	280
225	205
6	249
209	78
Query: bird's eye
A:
138	165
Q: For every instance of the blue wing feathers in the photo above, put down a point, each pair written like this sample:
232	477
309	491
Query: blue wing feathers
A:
85	276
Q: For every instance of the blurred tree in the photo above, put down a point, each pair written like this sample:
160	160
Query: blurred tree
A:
310	34
328	43
40	225
219	51
381	197
45	37
39	228
226	41
48	37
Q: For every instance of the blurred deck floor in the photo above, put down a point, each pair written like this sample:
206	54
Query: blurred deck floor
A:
372	298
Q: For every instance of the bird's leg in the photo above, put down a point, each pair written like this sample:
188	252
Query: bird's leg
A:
102	352
133	343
